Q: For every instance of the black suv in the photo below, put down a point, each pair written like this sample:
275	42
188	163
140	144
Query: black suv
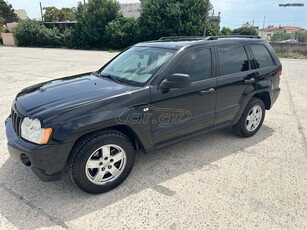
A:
149	96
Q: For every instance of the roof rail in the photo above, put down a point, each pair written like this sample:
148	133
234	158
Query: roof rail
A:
172	38
233	36
182	38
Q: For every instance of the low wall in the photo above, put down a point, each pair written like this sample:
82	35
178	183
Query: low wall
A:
290	47
8	39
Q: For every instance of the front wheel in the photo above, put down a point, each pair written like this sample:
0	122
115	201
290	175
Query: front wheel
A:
102	161
251	120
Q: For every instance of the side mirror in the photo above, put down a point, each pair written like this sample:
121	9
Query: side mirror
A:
177	80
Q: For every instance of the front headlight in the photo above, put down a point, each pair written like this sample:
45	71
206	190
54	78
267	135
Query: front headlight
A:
32	131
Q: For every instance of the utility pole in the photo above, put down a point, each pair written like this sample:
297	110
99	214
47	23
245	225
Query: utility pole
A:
206	16
263	27
40	4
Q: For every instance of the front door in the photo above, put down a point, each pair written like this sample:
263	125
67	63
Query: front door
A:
179	112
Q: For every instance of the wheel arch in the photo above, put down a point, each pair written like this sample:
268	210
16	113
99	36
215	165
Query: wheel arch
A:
127	131
265	98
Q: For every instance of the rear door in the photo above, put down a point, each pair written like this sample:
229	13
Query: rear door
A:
266	68
234	75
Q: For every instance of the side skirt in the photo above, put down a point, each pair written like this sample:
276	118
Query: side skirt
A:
187	137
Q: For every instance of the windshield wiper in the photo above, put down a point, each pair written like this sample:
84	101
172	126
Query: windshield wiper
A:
113	78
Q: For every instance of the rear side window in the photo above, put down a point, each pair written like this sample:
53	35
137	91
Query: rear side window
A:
196	63
233	59
262	56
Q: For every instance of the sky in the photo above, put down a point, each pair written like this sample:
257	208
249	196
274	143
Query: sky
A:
233	12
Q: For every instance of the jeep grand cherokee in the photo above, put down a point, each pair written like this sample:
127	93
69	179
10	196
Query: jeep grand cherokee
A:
149	96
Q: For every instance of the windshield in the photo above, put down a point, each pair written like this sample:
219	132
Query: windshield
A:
137	65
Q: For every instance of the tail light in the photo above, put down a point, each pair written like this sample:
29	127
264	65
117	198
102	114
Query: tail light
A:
279	72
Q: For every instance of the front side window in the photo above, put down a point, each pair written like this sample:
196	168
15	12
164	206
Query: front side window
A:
196	63
137	65
262	56
233	59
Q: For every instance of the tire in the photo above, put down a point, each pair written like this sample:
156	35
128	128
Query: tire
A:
251	119
102	161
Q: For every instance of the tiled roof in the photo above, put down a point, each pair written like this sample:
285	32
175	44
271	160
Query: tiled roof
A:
283	28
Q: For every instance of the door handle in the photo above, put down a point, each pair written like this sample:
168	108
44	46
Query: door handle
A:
205	92
249	81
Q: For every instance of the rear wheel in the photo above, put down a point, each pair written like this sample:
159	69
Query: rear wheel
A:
251	120
102	161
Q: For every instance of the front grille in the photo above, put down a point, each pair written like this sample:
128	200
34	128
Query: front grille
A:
16	120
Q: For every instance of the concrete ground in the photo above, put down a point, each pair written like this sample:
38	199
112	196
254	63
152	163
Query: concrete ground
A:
215	181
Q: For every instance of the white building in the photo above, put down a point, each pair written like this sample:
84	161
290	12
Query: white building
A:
22	14
131	10
268	32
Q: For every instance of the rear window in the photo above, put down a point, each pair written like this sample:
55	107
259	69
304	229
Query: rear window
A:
262	56
233	59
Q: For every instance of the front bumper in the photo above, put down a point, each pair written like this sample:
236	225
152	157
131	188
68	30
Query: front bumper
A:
46	161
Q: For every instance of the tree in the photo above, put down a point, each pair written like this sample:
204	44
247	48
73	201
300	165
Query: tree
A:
280	36
93	17
67	14
212	29
121	32
2	22
302	36
245	31
171	18
53	14
225	31
7	12
34	34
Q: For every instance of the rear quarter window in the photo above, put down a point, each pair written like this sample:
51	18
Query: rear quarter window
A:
262	57
232	59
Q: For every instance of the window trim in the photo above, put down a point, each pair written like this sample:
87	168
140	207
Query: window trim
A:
254	66
250	64
191	50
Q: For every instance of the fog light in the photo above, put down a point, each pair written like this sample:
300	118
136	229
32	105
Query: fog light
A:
25	160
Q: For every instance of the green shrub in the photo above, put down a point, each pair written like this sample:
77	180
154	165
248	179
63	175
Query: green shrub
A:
245	31
93	17
68	38
121	32
293	55
302	36
280	36
74	38
161	18
50	37
32	33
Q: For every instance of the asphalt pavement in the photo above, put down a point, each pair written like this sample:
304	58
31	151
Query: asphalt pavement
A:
214	181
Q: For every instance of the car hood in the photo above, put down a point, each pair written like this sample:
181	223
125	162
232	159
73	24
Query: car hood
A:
66	93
